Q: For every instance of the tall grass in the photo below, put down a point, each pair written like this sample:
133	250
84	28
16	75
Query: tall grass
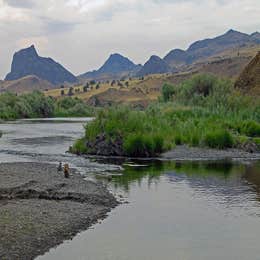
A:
203	111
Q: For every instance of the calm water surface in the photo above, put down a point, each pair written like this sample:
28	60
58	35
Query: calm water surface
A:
176	210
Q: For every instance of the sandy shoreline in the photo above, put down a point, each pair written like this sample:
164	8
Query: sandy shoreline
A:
39	208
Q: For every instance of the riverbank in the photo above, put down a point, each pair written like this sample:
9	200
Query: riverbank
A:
39	208
186	153
204	112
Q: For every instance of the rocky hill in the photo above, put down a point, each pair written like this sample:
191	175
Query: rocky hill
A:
155	65
206	48
199	52
28	62
249	79
177	58
116	66
25	84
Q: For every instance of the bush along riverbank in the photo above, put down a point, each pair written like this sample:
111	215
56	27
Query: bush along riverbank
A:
36	105
202	112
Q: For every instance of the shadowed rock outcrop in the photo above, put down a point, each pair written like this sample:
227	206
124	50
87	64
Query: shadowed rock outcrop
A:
28	62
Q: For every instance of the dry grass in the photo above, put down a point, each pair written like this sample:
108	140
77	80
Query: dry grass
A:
150	88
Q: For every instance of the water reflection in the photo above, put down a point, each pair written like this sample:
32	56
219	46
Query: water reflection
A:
178	171
252	176
228	183
177	210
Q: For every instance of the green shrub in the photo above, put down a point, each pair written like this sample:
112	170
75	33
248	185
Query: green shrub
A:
178	140
168	91
250	128
219	139
138	145
79	146
158	144
195	140
256	140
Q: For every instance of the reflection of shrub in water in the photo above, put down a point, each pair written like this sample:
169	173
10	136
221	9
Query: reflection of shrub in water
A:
222	168
154	170
252	176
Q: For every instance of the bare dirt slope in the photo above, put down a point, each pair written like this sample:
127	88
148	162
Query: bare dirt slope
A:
25	84
249	79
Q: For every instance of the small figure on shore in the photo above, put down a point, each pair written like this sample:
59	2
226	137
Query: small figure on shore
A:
60	167
66	170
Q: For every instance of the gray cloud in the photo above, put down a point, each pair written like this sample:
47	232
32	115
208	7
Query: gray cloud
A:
20	3
56	26
82	33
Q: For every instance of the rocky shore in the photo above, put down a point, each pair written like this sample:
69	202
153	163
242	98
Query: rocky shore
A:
183	152
39	208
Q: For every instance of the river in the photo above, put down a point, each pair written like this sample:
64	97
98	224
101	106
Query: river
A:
176	210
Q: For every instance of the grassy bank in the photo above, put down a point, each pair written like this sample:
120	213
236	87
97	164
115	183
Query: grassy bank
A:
204	111
35	104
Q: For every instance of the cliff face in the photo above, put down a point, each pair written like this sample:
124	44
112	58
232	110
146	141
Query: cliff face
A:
28	62
249	79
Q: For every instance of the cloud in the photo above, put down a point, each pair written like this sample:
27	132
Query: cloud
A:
9	14
82	33
41	42
20	3
56	26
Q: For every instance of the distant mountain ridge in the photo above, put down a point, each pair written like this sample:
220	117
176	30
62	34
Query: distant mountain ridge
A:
115	66
28	62
176	59
205	54
208	47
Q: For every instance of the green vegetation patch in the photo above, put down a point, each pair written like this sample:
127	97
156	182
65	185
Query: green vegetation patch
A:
35	104
202	111
219	139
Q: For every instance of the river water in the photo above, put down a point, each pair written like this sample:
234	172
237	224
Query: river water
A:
176	210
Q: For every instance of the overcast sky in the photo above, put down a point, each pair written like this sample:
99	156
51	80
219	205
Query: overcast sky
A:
80	34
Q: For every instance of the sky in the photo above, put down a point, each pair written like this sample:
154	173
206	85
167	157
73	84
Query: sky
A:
81	34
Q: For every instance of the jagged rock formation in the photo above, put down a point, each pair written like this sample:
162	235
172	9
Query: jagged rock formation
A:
249	79
28	62
155	65
116	66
